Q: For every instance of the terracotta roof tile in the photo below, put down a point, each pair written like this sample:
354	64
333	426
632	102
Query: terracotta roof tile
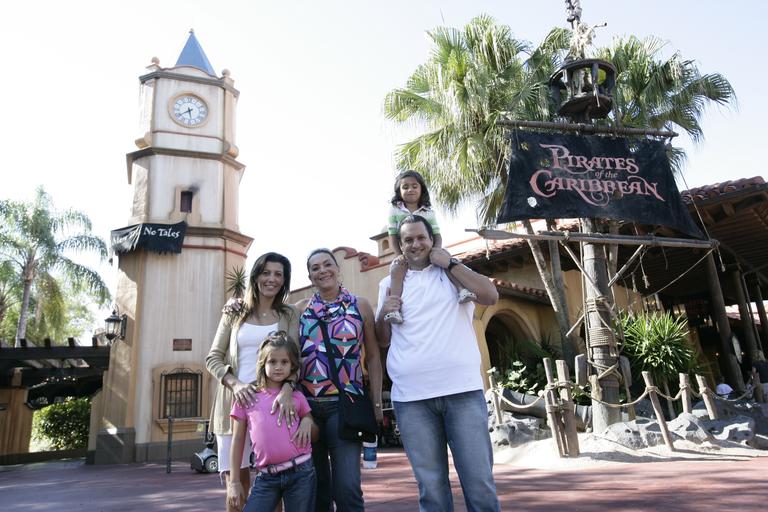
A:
718	189
526	290
493	247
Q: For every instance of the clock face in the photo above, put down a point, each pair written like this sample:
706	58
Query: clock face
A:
189	110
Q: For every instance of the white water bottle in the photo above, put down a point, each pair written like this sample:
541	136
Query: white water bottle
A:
369	454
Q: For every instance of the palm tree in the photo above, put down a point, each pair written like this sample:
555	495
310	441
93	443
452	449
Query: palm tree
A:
37	240
237	281
669	94
9	288
472	78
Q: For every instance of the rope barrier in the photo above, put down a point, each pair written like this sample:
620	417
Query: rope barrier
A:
723	399
648	389
513	404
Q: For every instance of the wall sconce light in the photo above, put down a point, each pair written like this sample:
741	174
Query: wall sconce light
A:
114	325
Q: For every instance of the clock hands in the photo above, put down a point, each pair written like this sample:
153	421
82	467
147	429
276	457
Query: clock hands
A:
189	111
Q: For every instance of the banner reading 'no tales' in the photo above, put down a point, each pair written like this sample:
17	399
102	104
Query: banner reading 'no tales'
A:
568	176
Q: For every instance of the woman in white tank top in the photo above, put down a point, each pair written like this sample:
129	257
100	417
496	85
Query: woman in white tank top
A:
245	323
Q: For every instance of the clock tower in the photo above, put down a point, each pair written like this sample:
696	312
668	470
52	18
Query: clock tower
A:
182	239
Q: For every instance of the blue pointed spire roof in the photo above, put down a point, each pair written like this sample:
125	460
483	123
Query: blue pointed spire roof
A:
193	55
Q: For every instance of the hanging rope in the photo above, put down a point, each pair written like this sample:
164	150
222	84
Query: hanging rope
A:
683	274
499	392
701	221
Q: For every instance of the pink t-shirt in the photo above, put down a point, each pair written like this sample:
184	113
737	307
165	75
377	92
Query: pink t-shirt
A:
271	444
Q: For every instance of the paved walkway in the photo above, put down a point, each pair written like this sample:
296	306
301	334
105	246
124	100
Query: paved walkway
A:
689	485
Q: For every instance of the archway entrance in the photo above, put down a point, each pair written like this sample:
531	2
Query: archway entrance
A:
508	340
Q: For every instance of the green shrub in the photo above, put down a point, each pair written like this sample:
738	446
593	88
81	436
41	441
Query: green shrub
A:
657	343
524	371
524	380
63	426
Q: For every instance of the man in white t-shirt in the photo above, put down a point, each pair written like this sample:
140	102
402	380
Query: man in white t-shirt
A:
434	364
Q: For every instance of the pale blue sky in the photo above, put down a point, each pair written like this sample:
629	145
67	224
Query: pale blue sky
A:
312	77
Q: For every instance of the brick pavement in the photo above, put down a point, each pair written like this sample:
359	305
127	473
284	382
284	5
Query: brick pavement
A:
687	485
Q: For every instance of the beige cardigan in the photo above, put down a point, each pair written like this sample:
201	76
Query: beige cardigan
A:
222	359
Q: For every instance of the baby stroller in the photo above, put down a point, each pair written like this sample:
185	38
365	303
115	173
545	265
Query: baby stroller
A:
206	460
390	434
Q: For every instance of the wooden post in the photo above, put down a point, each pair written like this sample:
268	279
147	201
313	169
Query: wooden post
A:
757	295
758	387
659	413
709	402
626	373
729	366
747	325
553	417
569	419
670	404
685	387
495	396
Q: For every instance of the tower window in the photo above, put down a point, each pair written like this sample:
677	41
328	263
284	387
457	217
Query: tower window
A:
185	203
181	393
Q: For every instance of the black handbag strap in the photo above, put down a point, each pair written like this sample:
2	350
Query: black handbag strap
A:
331	359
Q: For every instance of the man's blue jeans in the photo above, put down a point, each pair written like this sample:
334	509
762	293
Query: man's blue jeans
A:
338	481
295	486
460	421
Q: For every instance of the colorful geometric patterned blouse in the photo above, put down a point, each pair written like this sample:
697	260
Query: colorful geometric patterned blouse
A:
345	327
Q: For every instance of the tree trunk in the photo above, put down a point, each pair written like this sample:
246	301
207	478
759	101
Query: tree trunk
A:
556	293
570	347
601	337
729	367
3	306
21	330
29	276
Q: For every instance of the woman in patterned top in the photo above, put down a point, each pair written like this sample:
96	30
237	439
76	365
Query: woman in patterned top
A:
349	322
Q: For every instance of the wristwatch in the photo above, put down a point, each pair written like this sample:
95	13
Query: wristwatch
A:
453	263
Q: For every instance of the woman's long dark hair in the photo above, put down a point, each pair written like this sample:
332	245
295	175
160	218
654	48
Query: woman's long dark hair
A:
423	198
252	289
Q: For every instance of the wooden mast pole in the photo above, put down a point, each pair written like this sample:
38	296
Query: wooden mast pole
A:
600	336
729	365
747	323
758	295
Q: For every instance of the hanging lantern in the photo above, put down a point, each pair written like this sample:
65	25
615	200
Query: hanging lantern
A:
114	325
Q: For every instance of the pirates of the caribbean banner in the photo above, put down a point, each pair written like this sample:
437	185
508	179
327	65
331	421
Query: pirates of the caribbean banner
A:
152	237
568	176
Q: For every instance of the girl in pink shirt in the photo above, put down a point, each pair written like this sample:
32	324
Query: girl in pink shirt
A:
283	453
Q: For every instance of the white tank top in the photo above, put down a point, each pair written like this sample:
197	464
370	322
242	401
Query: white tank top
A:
249	338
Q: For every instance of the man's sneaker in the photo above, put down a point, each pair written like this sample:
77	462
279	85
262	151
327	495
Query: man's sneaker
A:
466	296
393	317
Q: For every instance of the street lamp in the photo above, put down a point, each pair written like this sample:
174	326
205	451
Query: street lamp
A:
114	325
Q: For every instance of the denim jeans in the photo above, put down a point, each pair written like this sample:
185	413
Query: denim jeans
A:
427	428
296	487
338	479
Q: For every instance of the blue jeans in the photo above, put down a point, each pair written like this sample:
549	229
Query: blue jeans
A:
427	428
296	487
338	479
